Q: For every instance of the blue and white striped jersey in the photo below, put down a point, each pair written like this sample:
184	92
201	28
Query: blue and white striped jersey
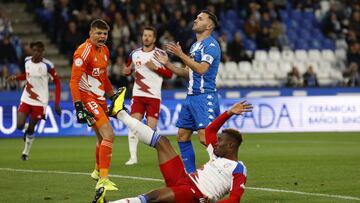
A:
207	50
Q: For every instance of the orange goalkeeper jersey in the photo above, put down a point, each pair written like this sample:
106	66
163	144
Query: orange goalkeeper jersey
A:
89	75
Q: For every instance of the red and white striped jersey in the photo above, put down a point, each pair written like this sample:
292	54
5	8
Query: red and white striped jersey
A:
147	82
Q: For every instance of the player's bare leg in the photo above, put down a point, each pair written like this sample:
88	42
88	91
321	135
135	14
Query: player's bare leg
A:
96	174
29	139
21	119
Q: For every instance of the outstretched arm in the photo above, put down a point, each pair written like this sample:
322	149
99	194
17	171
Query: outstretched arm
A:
213	128
16	77
164	59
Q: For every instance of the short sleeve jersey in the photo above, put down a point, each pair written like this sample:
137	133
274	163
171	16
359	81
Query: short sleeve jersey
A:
36	91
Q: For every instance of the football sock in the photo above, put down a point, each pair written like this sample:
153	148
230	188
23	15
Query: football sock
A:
105	153
139	199
143	132
188	156
133	142
28	143
97	150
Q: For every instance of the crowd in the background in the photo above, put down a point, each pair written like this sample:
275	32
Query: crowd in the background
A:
245	25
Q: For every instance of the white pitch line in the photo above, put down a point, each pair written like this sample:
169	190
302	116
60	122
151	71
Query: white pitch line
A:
160	180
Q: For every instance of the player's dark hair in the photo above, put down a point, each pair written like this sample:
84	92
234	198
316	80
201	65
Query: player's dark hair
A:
100	24
151	28
234	134
37	44
212	17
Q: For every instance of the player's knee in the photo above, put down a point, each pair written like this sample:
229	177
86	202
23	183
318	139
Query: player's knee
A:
154	196
182	138
164	141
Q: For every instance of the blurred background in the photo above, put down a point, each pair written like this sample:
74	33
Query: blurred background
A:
275	43
275	48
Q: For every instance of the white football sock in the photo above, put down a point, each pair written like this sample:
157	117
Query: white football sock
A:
128	200
133	142
28	143
143	132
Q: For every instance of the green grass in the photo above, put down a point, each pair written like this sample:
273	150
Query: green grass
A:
324	163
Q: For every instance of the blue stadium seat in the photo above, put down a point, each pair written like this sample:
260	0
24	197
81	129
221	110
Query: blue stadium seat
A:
304	34
250	45
231	14
315	44
283	15
301	44
328	44
296	15
291	34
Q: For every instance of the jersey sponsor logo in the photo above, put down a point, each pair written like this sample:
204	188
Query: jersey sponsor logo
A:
138	63
78	62
212	45
96	72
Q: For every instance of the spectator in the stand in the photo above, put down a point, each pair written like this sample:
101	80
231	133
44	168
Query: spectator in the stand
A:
120	31
351	37
263	40
71	40
223	42
82	23
5	25
354	23
352	75
117	78
252	26
26	51
278	34
353	54
310	78
143	14
183	35
236	50
4	84
293	78
133	26
62	15
270	8
265	21
333	26
7	51
174	21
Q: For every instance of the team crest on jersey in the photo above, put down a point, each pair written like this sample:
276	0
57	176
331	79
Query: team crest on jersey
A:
96	72
78	62
138	63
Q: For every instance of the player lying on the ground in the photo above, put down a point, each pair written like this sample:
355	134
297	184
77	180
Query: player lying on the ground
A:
222	174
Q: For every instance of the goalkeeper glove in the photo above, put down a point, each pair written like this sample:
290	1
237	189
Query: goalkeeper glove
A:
83	115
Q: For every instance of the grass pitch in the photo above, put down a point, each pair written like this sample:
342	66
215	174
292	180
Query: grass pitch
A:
296	167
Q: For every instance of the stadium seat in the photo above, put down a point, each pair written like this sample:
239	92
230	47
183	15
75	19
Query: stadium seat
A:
258	66
244	67
340	54
250	45
271	67
328	55
328	44
341	44
314	55
284	67
301	65
230	66
288	55
324	6
261	55
274	55
301	55
301	44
